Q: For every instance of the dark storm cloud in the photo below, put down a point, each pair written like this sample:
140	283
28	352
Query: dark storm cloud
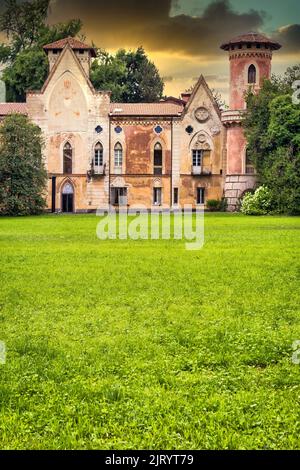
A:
133	22
289	37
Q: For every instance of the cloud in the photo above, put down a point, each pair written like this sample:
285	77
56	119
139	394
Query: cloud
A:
134	22
289	37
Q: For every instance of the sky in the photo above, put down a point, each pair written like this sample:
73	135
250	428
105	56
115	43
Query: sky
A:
183	37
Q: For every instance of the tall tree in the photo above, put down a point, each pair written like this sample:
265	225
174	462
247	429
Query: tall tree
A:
130	75
23	177
27	32
272	127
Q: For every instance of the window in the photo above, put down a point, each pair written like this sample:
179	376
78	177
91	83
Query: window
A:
118	155
119	196
250	170
200	196
157	196
68	157
197	157
252	74
176	196
158	159
98	157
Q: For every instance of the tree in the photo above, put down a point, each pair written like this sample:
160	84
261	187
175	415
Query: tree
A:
25	27
23	177
272	127
130	75
28	72
292	74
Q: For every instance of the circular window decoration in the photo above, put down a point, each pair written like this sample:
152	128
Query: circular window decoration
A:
202	114
158	129
189	130
99	129
118	129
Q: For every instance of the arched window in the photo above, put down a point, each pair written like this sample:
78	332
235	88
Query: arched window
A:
68	157
98	155
252	74
118	155
158	159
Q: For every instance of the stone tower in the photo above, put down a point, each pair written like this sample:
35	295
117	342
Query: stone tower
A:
83	52
250	57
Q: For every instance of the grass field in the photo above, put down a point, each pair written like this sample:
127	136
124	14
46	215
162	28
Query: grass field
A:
144	345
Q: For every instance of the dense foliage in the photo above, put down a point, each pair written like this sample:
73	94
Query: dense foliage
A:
130	75
272	127
22	173
27	32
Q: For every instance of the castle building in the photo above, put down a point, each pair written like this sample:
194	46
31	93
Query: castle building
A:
171	153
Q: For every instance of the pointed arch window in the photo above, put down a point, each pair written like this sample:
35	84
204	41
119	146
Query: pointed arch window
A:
98	155
252	74
118	155
68	158
158	159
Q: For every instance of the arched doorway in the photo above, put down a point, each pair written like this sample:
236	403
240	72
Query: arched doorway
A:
68	198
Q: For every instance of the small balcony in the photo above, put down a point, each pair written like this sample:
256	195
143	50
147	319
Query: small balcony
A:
201	170
96	171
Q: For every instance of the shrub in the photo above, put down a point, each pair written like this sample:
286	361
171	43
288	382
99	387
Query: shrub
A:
259	203
213	205
216	205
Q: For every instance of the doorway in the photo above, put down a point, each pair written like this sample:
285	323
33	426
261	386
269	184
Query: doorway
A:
68	198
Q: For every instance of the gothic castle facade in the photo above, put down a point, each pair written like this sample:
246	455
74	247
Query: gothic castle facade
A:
169	154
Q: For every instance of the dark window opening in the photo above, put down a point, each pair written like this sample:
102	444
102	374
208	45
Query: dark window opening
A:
157	196
176	196
119	196
200	196
158	159
252	74
68	157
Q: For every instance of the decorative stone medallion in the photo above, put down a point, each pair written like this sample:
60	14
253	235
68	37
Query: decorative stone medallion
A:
202	114
202	138
215	130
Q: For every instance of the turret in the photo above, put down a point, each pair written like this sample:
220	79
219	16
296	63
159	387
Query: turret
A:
82	51
250	57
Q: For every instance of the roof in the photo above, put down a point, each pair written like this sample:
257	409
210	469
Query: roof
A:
73	43
251	38
10	108
162	108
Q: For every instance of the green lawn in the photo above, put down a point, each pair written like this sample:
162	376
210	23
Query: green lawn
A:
144	345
